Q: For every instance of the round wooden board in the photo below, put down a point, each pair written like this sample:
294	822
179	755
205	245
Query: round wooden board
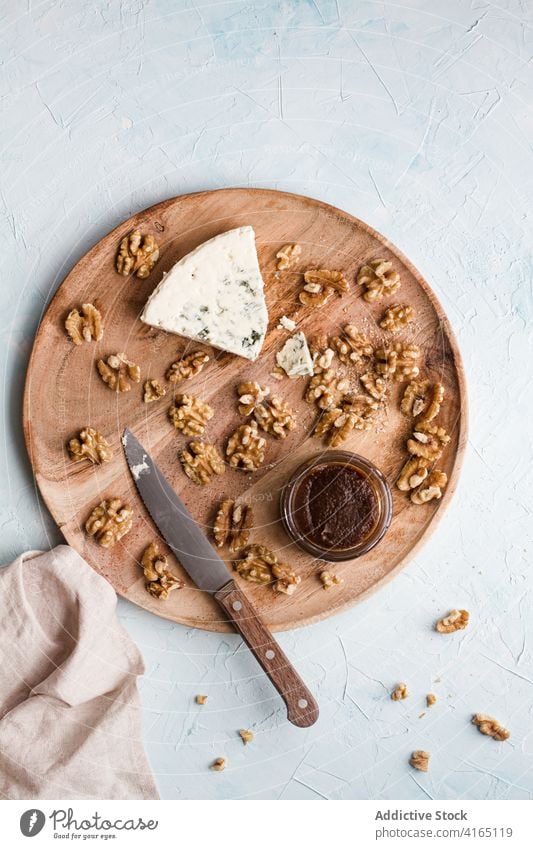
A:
64	393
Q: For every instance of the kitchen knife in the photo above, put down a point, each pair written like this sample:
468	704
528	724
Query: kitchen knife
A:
209	572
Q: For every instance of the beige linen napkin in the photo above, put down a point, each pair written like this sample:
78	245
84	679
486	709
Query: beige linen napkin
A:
69	706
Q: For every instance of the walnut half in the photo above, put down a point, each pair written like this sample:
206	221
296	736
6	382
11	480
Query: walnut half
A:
232	524
260	565
201	461
428	441
399	693
189	366
491	727
137	254
287	256
190	415
397	317
245	448
328	580
431	488
456	620
352	346
153	390
413	473
109	521
378	279
84	326
90	445
117	372
420	760
320	284
159	581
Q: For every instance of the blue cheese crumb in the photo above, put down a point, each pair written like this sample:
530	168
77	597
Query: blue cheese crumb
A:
295	358
286	323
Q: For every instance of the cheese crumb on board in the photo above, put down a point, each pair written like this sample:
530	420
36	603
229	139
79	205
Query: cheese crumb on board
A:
295	358
215	295
286	323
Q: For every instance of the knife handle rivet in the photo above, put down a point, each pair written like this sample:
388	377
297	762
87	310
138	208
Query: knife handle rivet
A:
237	605
270	655
302	703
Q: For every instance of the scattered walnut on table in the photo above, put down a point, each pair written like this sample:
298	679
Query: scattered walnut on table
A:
137	254
201	461
420	760
219	764
117	372
232	524
378	279
413	473
250	395
375	385
274	416
84	326
189	366
90	445
328	580
246	736
255	564
287	256
190	415
491	727
431	699
159	581
399	693
431	488
397	317
456	620
326	389
353	345
153	390
200	700
109	521
428	441
245	448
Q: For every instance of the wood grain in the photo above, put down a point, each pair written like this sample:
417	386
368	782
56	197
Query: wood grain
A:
64	393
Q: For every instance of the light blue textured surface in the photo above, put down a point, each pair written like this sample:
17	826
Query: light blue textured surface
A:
417	118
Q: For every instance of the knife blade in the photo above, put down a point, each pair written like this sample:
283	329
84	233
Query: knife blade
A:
209	572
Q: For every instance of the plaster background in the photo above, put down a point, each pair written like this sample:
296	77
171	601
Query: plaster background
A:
417	118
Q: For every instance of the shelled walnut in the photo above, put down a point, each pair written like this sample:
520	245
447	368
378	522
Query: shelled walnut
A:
428	441
245	448
117	372
397	360
397	317
274	416
159	581
420	760
378	279
200	699
85	325
490	727
190	415
328	580
286	579
357	413
189	366
137	254
246	736
255	564
320	284
250	395
109	521
90	445
375	385
287	256
422	399
353	345
201	461
431	699
456	620
232	524
326	389
413	473
153	390
322	360
219	764
431	488
399	693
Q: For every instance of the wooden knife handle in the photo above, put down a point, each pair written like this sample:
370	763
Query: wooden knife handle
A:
302	709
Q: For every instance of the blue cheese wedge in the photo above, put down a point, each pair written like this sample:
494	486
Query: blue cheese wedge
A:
215	295
295	358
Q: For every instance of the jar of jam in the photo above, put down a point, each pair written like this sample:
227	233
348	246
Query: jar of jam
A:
336	506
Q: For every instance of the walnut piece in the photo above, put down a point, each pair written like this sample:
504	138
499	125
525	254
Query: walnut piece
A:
159	581
322	360
326	389
255	564
431	699
90	445
375	385
320	284
378	279
219	764
422	399
353	345
200	700
397	317
491	727
413	473
137	254
190	415
109	521
153	390
189	366
456	620
245	448
397	360
201	461
399	693
250	395
287	256
357	413
428	441
246	736
84	326
232	524
274	416
117	372
286	579
328	580
431	488
420	760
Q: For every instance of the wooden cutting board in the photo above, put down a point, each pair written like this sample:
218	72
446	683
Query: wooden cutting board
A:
64	393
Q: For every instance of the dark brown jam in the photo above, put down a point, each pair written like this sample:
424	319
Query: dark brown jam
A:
336	506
